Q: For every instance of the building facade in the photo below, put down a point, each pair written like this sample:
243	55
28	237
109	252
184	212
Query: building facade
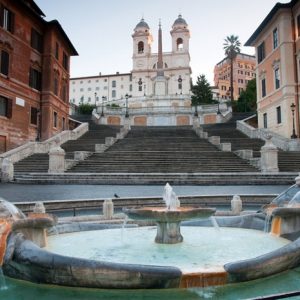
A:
34	74
141	82
243	72
277	43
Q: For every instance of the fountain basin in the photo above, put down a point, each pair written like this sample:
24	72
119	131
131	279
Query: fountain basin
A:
168	221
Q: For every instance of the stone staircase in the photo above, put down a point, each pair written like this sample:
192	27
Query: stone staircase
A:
287	161
229	134
96	135
162	150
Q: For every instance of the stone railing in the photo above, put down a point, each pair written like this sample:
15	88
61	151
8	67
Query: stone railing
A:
261	133
202	109
31	148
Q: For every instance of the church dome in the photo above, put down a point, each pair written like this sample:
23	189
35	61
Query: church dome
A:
142	25
180	22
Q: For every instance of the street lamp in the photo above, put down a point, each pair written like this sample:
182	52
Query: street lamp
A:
196	111
96	100
293	106
102	113
126	107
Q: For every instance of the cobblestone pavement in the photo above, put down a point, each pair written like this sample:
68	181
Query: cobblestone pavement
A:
18	192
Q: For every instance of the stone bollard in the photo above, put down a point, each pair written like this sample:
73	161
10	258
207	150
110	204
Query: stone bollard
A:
80	155
39	208
108	209
269	156
225	147
7	170
236	205
56	158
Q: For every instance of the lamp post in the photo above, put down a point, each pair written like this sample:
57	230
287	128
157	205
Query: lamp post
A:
126	107
293	106
102	113
96	100
196	111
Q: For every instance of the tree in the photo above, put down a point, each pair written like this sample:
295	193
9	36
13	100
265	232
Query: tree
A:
247	99
202	93
232	48
85	108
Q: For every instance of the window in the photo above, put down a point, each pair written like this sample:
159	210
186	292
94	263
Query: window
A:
35	79
113	94
278	113
81	90
141	47
89	99
57	51
55	119
179	44
97	88
5	107
63	123
7	19
298	25
277	78
240	90
33	116
140	88
275	38
89	89
265	120
55	88
113	84
4	60
64	92
36	40
89	81
261	52
65	61
263	88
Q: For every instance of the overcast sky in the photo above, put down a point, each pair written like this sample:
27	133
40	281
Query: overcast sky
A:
101	30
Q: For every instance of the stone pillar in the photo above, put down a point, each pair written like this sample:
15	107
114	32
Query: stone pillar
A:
7	170
236	205
56	158
39	208
269	156
196	123
108	209
127	125
215	140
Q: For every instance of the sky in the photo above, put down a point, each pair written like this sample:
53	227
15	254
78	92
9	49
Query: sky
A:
101	30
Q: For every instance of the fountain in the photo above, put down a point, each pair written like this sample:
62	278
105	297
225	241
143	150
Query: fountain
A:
168	218
94	255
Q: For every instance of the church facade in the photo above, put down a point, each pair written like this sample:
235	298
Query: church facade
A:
141	83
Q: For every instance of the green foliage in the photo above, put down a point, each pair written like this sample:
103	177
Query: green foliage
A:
247	99
113	105
232	46
85	108
202	93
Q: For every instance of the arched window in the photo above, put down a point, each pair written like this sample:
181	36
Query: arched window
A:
141	47
179	44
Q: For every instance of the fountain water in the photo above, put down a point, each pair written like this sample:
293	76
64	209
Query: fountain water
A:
168	219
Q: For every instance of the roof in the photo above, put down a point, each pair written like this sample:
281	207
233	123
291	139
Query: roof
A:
101	76
268	19
180	21
141	24
33	7
60	29
251	56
